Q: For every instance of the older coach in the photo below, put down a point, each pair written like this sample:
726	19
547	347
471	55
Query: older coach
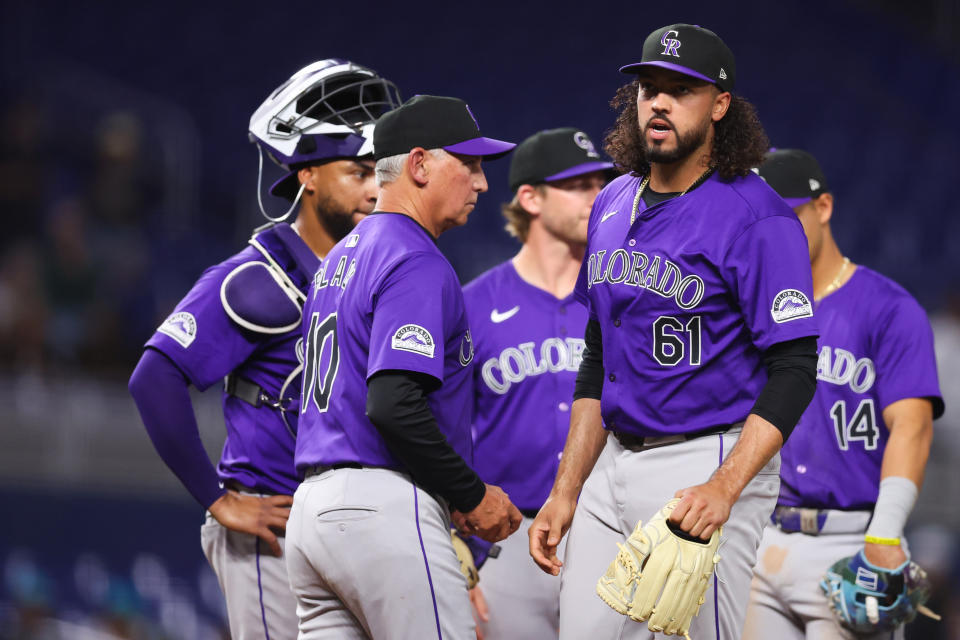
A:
384	440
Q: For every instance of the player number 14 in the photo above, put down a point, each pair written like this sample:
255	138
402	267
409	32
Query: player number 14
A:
669	346
863	425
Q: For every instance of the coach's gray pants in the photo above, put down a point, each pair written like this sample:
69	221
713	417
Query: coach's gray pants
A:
254	582
786	602
369	556
627	486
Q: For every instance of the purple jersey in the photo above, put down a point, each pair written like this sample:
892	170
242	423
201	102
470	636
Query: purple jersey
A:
528	349
385	298
876	347
207	344
688	297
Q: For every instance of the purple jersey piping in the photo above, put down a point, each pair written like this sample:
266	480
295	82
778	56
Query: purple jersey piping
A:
716	586
426	563
263	612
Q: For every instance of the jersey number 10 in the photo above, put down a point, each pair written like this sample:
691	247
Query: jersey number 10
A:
317	385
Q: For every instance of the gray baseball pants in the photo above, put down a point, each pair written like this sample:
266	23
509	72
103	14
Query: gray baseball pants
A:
785	600
626	486
260	605
369	556
524	601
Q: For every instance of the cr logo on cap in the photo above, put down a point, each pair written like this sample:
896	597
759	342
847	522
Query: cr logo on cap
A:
581	140
670	45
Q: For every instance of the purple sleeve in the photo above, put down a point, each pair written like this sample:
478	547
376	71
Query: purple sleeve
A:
200	338
409	316
906	365
768	270
161	394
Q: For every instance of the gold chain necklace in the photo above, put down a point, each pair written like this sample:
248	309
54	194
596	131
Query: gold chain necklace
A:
833	286
643	185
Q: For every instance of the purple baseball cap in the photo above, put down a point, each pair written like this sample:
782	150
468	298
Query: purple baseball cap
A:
691	50
555	154
434	122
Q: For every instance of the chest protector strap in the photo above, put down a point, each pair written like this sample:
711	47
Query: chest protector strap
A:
267	296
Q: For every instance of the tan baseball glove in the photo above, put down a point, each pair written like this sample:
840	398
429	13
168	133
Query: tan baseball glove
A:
467	566
660	575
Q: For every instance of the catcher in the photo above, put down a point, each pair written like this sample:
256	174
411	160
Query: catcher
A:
851	471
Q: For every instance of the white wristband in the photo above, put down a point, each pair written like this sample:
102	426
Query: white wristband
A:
894	504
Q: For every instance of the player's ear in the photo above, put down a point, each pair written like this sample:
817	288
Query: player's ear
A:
824	205
417	161
530	198
721	104
307	178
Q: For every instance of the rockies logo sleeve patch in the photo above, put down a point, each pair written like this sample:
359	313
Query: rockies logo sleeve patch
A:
413	338
180	326
790	304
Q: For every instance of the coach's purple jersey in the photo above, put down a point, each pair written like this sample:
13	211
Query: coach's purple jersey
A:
688	297
206	345
384	299
528	348
876	347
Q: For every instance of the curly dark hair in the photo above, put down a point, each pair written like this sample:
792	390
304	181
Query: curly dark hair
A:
739	141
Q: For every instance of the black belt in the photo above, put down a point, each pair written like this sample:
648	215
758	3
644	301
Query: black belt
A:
317	469
633	442
253	394
529	513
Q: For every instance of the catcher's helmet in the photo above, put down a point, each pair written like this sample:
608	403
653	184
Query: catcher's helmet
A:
325	111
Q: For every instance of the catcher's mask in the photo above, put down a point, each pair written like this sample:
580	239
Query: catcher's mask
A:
325	111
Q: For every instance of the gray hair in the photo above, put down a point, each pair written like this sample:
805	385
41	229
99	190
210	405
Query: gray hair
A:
390	168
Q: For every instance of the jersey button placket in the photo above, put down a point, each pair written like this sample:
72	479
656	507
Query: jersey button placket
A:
616	322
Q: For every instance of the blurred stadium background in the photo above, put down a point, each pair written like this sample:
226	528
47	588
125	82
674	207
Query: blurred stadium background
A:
125	170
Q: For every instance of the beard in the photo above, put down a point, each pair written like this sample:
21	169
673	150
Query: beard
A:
334	218
687	143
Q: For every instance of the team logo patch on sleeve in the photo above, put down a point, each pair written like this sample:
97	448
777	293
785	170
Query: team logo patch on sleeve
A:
413	338
791	304
180	326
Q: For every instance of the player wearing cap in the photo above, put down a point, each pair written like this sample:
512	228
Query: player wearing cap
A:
852	470
700	347
528	331
384	441
241	322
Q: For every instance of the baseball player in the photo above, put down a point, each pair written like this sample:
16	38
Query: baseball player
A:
241	323
700	348
851	472
384	441
527	331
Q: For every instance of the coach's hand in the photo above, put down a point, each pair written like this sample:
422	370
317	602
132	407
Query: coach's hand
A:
254	515
702	509
548	528
493	519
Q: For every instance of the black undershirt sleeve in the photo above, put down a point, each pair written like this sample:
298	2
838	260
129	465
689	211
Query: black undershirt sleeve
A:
397	406
791	383
590	374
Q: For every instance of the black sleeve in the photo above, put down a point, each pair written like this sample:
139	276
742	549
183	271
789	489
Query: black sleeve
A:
791	383
590	375
397	406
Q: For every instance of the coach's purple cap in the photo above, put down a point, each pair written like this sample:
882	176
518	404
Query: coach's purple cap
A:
553	155
434	122
690	50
